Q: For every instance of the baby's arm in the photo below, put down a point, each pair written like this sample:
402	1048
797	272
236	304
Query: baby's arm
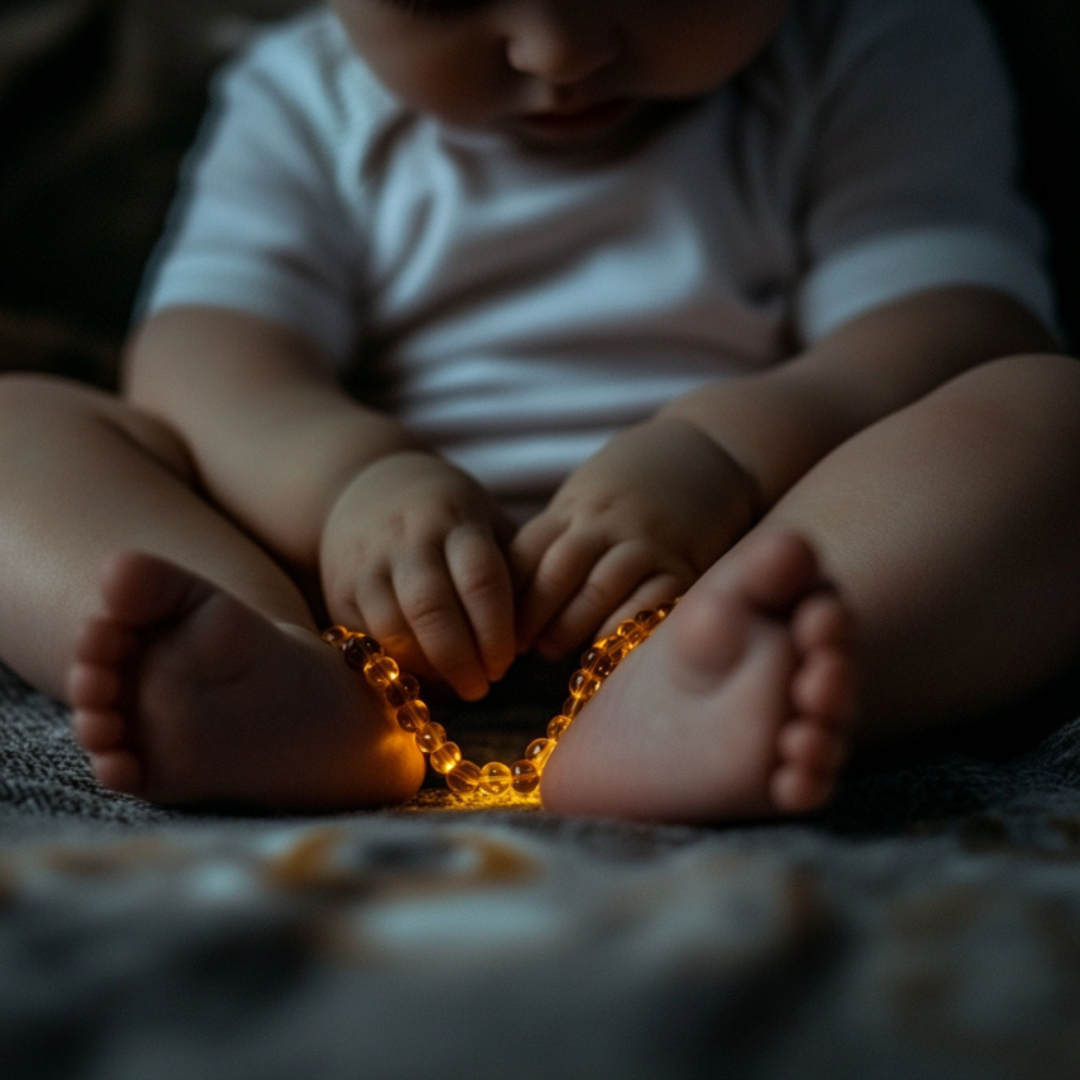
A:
408	547
659	504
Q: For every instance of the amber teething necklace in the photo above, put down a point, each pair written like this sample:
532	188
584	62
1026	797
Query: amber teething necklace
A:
499	782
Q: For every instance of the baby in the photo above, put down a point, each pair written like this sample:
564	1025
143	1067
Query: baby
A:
484	324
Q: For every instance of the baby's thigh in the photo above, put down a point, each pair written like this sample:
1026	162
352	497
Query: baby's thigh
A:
43	413
1029	403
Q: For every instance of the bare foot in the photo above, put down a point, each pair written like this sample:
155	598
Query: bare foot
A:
739	705
183	694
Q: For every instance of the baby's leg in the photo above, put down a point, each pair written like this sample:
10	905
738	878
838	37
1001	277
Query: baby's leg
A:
194	669
951	531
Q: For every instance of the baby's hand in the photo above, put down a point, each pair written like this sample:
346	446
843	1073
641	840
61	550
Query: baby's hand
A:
412	553
632	527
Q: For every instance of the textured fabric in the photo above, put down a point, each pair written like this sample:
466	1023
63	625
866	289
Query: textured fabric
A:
924	927
523	307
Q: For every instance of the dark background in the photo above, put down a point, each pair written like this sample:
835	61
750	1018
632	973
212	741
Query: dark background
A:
100	98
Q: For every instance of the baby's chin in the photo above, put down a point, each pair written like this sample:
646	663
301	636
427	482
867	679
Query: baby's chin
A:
577	127
611	127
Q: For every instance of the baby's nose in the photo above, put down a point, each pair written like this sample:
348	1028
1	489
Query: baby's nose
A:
561	44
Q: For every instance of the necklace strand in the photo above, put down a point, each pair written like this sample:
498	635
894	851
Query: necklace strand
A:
496	781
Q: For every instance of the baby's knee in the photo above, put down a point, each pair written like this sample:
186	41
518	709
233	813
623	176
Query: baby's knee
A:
28	401
29	394
1024	377
37	407
1035	394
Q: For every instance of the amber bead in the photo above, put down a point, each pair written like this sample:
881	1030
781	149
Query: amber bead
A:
413	715
463	778
557	728
631	632
430	737
606	666
524	778
538	752
447	757
359	650
381	671
590	658
495	778
583	685
401	691
598	662
616	647
648	620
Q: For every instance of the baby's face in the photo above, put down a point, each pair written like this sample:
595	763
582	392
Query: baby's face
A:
556	74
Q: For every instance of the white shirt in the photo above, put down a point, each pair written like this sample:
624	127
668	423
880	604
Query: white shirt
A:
523	307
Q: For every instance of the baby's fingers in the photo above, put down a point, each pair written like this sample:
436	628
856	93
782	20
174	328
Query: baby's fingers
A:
382	617
482	581
626	580
651	593
560	572
434	617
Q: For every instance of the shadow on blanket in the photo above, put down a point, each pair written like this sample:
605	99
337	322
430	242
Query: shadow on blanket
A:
927	925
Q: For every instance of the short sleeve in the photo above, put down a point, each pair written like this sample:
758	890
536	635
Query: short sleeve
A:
914	164
262	224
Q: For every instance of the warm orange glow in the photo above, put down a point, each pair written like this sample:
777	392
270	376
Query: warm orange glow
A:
495	782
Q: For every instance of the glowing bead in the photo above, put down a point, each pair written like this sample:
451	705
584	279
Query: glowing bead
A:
583	685
495	778
413	715
524	777
447	757
648	620
591	657
538	752
463	778
597	662
402	690
335	635
381	671
430	737
606	667
631	633
360	650
556	729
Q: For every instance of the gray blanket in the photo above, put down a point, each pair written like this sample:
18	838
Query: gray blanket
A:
927	925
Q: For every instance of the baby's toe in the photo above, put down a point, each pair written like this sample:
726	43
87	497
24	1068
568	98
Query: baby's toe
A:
776	570
809	745
105	642
118	770
822	622
824	687
90	686
795	789
99	730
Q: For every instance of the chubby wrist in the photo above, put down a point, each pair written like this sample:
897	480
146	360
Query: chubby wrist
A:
746	498
366	474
